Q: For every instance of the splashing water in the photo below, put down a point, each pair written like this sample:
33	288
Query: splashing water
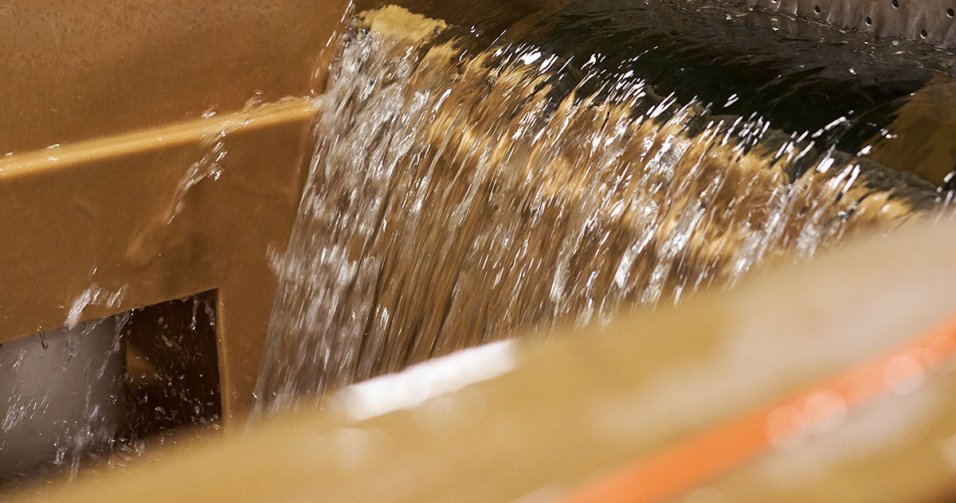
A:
102	390
458	195
93	295
208	167
63	396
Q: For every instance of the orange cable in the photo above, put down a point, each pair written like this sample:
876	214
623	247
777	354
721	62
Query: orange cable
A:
702	457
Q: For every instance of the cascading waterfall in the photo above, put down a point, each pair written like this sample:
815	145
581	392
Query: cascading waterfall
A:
460	193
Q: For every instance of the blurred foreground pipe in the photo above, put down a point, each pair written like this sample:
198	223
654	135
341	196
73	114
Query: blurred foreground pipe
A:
524	418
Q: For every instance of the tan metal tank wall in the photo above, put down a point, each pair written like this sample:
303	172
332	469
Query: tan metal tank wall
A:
120	88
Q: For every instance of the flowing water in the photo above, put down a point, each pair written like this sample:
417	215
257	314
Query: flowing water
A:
67	420
103	390
516	169
465	188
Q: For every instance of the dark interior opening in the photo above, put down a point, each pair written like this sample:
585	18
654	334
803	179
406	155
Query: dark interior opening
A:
100	395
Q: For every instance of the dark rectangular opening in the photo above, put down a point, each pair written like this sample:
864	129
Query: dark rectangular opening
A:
106	391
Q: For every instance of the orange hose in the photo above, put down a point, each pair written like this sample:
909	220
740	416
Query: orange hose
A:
691	463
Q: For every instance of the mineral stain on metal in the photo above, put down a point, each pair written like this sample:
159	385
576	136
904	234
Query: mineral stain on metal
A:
478	178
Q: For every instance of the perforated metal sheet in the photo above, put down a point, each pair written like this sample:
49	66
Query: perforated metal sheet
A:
930	21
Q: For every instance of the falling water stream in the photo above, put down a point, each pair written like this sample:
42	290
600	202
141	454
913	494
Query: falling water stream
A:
520	168
466	188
